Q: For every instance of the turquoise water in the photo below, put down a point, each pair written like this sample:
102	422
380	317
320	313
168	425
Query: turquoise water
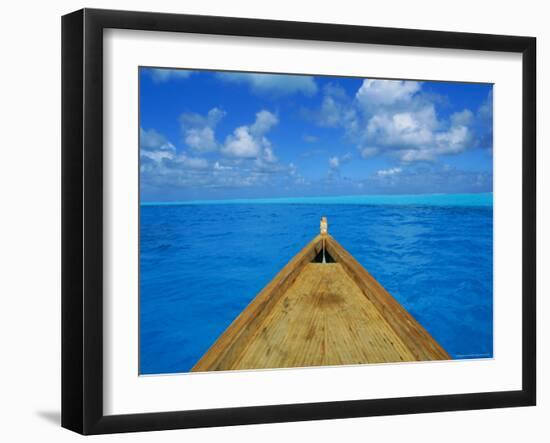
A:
201	263
482	199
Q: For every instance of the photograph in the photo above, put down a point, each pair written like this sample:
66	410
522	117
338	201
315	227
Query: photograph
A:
316	220
303	220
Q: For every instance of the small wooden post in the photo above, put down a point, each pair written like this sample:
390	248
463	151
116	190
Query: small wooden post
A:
324	231
324	225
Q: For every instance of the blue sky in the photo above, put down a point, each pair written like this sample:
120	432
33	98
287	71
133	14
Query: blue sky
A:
221	135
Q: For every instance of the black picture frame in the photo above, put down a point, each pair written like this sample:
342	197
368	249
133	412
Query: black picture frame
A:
82	220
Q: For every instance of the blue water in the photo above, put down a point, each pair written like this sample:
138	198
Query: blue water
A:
201	264
481	199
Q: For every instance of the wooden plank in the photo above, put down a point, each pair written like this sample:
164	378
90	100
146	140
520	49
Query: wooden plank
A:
314	314
323	319
416	338
229	345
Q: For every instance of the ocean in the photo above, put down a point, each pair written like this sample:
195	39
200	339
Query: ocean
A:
202	262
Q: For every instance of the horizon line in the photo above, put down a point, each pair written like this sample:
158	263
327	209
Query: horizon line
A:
327	199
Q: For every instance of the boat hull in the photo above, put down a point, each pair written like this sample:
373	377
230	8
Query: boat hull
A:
321	314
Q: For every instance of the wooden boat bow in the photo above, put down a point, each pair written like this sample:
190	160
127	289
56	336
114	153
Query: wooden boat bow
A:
321	312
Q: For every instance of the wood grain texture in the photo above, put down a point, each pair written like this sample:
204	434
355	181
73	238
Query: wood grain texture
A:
224	352
323	319
314	314
416	338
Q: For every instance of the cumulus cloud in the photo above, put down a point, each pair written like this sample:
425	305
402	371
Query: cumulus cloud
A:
192	162
427	177
331	112
406	123
388	172
246	173
201	139
273	84
151	139
386	92
199	130
245	160
463	118
249	141
265	120
334	165
162	75
403	129
395	118
241	144
369	151
336	161
455	140
154	146
162	164
336	109
346	157
157	155
486	108
485	116
218	166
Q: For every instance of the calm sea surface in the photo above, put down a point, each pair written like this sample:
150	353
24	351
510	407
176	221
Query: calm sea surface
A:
202	263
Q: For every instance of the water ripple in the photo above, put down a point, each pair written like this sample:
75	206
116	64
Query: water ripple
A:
202	264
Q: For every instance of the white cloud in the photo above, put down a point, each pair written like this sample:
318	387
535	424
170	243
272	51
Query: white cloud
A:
162	167
418	134
151	139
334	162
404	128
331	112
220	167
202	139
155	146
192	162
396	118
336	110
265	120
268	156
428	177
346	157
388	172
193	119
273	84
161	75
455	140
486	109
250	141
370	151
162	164
386	92
484	116
463	118
199	130
158	155
414	155
241	144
